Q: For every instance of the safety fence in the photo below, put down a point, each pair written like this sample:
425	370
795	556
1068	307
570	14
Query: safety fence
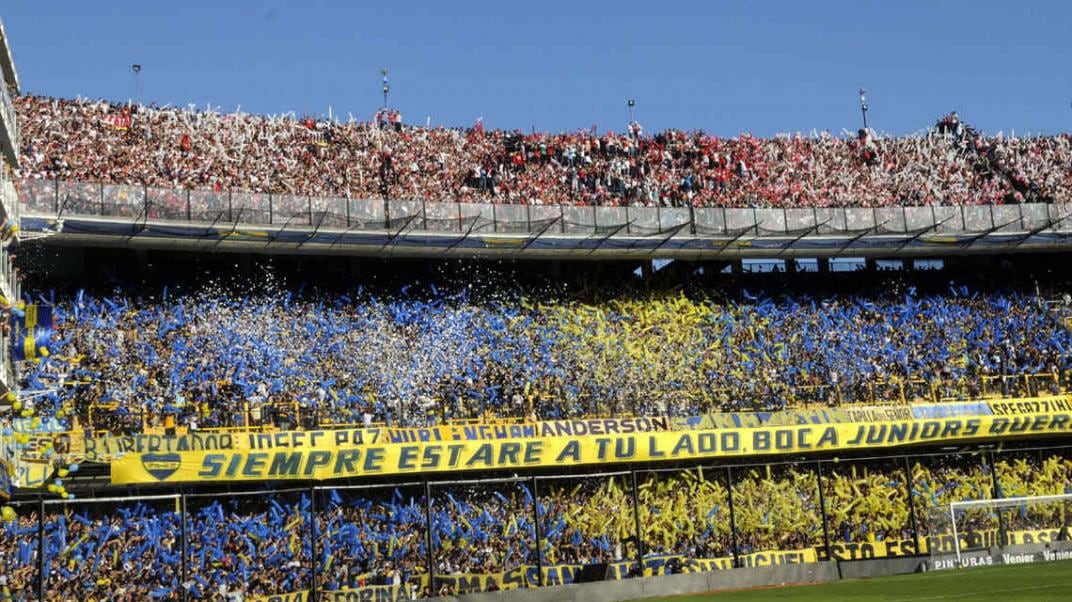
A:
102	417
59	198
429	538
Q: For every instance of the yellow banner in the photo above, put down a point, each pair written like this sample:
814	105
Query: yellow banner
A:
442	457
110	448
990	538
31	474
876	549
107	449
943	544
369	593
724	420
1031	406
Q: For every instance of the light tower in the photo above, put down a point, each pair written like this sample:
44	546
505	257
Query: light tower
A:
136	69
863	105
386	86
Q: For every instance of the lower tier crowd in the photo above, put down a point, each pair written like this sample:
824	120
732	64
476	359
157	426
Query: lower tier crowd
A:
242	545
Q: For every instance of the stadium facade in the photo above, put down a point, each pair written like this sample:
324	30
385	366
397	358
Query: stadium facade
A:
95	213
9	231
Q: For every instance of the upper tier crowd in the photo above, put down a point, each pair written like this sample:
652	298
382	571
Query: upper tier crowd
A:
414	356
951	164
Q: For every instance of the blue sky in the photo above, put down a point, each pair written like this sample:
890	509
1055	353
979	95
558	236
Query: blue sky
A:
725	67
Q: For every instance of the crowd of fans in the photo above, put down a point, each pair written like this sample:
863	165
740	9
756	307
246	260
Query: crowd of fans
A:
412	357
261	544
167	147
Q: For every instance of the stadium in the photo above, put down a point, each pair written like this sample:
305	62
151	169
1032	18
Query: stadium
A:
266	358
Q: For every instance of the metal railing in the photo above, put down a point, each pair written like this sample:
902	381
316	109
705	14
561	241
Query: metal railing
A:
8	281
52	198
291	415
9	196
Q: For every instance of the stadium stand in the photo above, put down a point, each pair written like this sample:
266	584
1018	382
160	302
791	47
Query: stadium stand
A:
483	534
214	357
342	430
167	147
174	420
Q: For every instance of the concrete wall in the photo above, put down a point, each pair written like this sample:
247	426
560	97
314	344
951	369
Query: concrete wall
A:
878	567
744	578
632	589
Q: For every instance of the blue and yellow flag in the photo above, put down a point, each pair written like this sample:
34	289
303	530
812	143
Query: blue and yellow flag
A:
31	332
